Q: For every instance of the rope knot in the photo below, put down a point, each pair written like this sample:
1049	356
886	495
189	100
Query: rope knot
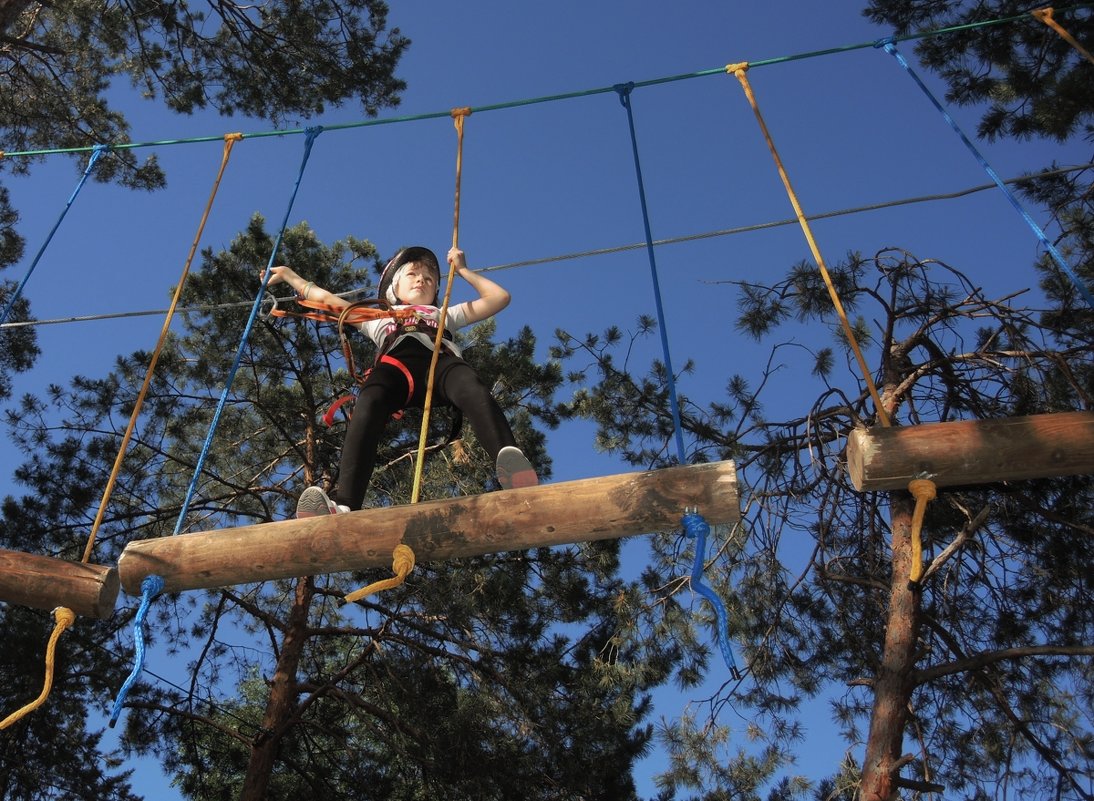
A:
737	69
64	616
922	489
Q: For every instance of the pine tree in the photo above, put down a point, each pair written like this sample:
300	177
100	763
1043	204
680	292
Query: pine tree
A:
493	677
977	680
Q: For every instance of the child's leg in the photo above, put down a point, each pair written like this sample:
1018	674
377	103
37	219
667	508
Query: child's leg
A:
463	388
383	394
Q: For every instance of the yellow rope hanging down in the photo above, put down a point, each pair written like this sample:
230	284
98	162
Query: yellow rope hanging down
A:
64	617
1045	15
403	556
740	71
402	562
229	141
924	491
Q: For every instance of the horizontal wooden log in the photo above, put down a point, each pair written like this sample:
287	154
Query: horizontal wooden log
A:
968	452
513	520
43	582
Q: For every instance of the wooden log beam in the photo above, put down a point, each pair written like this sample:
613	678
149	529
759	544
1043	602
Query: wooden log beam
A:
513	520
969	452
43	582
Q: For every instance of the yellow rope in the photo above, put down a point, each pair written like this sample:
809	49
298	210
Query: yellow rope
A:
229	141
402	562
403	556
740	71
64	617
1045	15
924	491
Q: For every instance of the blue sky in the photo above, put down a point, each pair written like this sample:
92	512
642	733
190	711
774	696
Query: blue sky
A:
557	178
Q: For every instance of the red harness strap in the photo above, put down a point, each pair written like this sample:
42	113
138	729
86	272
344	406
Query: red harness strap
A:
328	418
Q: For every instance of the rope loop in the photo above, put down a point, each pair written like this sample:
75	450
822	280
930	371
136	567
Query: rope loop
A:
151	586
697	528
739	68
1045	16
624	91
402	562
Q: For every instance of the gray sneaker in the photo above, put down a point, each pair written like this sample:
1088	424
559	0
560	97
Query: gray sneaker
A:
314	502
514	469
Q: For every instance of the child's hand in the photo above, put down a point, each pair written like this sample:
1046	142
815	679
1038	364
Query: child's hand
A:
280	273
456	259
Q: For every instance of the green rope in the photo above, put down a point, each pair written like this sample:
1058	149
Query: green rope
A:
447	113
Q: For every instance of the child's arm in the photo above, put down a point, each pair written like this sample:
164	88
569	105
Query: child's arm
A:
308	290
492	298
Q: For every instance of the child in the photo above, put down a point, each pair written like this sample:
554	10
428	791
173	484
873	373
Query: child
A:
401	376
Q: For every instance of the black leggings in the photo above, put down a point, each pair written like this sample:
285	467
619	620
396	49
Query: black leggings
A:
385	392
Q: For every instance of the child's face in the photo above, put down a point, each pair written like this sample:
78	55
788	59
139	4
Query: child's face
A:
416	285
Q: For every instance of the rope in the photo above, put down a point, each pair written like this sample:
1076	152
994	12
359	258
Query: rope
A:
624	91
96	152
64	617
696	527
151	586
740	70
582	93
890	48
583	254
403	556
401	565
924	491
229	141
191	490
1045	16
458	116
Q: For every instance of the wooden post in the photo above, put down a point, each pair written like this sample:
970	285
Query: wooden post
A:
972	451
514	520
43	582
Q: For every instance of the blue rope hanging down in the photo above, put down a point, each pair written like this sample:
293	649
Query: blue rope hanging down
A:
150	588
696	527
891	49
255	308
97	151
624	90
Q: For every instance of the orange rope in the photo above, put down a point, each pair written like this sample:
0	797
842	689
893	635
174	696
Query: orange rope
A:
229	141
740	71
403	556
352	315
1045	15
402	562
458	115
65	617
924	491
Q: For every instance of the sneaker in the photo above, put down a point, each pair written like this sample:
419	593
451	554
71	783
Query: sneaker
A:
514	469
313	502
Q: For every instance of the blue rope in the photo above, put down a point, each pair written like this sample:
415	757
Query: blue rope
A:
1059	259
624	90
192	489
97	151
150	588
697	528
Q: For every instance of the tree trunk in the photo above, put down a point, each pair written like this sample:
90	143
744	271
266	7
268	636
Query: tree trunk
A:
893	684
281	704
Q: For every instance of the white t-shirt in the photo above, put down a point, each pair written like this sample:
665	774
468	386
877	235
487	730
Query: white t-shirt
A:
426	317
